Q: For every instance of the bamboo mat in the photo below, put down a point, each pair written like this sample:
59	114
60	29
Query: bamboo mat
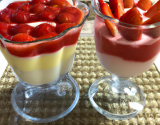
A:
86	69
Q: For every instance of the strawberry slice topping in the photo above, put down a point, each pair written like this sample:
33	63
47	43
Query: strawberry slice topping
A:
43	29
105	9
117	8
52	34
134	17
154	19
61	27
144	4
65	18
153	10
59	3
22	37
128	3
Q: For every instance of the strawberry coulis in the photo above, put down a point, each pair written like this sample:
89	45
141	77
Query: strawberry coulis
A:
129	52
44	47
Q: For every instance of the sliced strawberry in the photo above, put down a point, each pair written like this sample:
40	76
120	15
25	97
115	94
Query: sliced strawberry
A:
128	3
112	27
47	36
5	15
117	8
15	5
49	13
59	3
24	7
37	8
9	37
22	37
105	9
39	1
78	15
155	31
43	29
20	17
20	28
3	28
153	10
61	27
154	19
133	17
144	4
65	18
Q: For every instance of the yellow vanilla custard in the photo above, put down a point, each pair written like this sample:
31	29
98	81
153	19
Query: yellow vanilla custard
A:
44	68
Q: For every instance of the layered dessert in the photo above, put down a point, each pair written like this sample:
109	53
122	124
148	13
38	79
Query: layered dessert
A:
33	41
130	46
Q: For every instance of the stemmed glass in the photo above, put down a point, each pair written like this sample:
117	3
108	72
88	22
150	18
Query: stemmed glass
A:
116	96
45	91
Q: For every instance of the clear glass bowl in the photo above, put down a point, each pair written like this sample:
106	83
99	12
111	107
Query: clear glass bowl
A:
42	68
131	52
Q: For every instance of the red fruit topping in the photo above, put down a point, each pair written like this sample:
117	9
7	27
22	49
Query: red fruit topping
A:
21	28
15	5
37	8
43	29
131	33
105	9
49	13
24	7
34	17
65	18
154	19
117	8
59	3
47	36
39	1
20	17
128	3
61	27
144	4
3	28
153	10
9	37
5	15
22	37
133	16
78	15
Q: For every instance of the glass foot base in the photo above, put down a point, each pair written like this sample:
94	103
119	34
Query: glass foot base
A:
118	101
46	103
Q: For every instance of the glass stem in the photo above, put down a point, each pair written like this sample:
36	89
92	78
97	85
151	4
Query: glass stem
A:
119	84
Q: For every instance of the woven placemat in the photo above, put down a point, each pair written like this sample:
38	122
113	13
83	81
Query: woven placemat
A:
86	69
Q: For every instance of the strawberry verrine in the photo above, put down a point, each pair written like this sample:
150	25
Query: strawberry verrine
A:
127	38
38	39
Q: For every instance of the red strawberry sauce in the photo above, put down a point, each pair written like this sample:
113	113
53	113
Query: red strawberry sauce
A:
118	46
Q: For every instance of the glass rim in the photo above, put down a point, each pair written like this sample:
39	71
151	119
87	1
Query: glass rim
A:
75	2
117	22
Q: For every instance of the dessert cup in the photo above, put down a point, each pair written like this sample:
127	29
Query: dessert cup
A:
45	90
124	56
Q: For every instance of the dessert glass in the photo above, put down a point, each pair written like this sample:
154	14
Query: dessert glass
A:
117	96
45	90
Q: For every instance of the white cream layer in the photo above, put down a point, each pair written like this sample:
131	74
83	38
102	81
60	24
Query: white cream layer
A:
123	68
